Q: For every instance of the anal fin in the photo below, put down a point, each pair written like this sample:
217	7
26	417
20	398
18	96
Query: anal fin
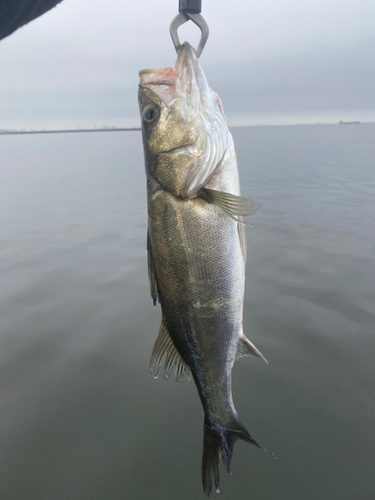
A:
165	348
247	348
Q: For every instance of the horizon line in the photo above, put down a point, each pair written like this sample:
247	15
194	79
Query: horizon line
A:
130	129
14	132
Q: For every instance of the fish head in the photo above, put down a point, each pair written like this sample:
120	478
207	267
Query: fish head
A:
185	134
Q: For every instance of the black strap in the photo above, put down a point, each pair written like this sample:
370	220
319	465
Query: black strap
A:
190	6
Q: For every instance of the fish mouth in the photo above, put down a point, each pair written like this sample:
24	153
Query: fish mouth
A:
189	149
181	81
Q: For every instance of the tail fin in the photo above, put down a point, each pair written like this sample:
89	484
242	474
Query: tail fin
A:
219	442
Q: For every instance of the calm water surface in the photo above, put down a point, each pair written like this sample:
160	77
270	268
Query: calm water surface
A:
82	418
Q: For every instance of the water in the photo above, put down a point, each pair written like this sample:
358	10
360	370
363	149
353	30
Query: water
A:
81	416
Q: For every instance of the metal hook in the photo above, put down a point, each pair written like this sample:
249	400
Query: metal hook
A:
197	19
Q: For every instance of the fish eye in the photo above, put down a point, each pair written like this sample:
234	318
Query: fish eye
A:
150	114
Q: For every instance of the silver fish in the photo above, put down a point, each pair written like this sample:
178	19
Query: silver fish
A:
196	245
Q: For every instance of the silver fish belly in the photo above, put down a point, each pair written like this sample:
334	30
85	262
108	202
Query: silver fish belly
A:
196	245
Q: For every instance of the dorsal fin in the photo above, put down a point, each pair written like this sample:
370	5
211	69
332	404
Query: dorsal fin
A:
151	272
165	348
247	348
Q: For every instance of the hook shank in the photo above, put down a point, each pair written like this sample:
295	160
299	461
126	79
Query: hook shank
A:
197	19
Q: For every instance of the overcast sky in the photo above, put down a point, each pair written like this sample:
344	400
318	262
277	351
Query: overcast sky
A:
271	61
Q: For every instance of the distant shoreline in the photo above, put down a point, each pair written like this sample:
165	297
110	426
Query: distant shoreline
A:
70	131
131	129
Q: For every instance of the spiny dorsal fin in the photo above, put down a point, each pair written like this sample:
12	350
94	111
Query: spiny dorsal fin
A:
151	272
232	205
165	348
247	348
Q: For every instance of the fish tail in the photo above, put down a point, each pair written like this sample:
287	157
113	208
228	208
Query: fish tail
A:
219	442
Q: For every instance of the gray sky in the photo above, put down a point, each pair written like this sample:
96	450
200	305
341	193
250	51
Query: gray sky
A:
271	61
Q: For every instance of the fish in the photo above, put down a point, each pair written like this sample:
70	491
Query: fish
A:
196	246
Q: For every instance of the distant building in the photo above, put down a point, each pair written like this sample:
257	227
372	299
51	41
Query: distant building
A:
348	123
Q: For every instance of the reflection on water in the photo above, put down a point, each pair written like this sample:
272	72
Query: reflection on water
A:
81	417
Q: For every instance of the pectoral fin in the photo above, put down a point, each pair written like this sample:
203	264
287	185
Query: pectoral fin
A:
247	348
151	272
165	348
232	205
